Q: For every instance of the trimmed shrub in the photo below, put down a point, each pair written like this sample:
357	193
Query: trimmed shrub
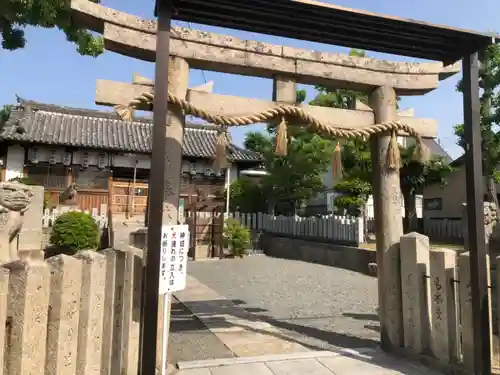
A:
237	237
74	231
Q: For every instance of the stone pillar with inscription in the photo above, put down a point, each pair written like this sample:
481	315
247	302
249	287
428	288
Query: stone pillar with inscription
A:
445	333
415	289
388	222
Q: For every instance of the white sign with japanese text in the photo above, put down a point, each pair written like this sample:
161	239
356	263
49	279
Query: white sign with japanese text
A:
174	254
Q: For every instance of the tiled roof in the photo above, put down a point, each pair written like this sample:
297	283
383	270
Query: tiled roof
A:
39	123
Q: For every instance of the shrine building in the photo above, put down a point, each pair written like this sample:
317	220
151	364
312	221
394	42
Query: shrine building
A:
107	159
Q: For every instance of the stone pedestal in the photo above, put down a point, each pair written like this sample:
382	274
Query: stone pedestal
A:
30	237
139	238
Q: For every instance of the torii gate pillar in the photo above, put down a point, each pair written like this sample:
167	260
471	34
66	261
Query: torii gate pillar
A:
388	223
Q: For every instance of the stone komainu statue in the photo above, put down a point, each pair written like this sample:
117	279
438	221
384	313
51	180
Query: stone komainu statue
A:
201	195
14	201
69	194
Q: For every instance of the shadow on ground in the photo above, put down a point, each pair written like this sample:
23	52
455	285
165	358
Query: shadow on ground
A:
218	314
227	314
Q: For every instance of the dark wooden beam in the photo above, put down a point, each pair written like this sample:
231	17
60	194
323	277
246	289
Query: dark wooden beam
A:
475	217
151	277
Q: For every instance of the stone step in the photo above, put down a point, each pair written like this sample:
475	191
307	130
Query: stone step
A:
186	365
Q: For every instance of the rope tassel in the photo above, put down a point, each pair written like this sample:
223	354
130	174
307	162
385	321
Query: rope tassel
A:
421	152
337	164
125	112
282	138
393	156
220	160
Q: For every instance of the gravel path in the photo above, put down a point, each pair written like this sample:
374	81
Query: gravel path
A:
190	340
322	307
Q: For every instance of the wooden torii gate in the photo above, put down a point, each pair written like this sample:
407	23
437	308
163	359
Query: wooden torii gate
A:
176	50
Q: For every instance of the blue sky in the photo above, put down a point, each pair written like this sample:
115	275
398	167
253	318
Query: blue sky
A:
51	71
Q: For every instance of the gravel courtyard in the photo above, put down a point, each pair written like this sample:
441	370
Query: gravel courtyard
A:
321	307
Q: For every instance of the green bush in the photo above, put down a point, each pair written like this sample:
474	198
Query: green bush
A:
74	231
237	237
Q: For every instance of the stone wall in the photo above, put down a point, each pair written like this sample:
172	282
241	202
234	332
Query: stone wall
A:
71	315
491	228
318	251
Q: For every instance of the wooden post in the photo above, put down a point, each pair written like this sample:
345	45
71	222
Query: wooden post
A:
111	235
178	77
388	223
156	194
69	176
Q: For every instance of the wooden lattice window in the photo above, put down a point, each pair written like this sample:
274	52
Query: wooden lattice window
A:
48	176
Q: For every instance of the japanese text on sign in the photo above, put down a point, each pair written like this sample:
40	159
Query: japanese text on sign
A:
174	254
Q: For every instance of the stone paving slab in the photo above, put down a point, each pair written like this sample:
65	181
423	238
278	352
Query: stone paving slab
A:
362	362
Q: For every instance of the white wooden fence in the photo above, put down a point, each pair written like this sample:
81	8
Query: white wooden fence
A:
439	230
336	228
50	215
342	228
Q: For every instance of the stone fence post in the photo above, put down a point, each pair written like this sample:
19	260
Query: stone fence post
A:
445	332
415	291
4	291
64	314
90	327
72	314
27	312
122	306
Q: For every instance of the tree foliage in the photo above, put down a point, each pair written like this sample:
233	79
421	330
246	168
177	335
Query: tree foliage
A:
356	186
5	115
414	176
297	177
16	15
247	196
354	193
489	81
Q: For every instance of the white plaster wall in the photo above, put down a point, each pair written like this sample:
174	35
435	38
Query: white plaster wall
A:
144	162
44	153
234	174
93	157
15	162
128	161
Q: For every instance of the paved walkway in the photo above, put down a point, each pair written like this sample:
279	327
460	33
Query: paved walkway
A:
261	346
316	306
241	332
347	362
